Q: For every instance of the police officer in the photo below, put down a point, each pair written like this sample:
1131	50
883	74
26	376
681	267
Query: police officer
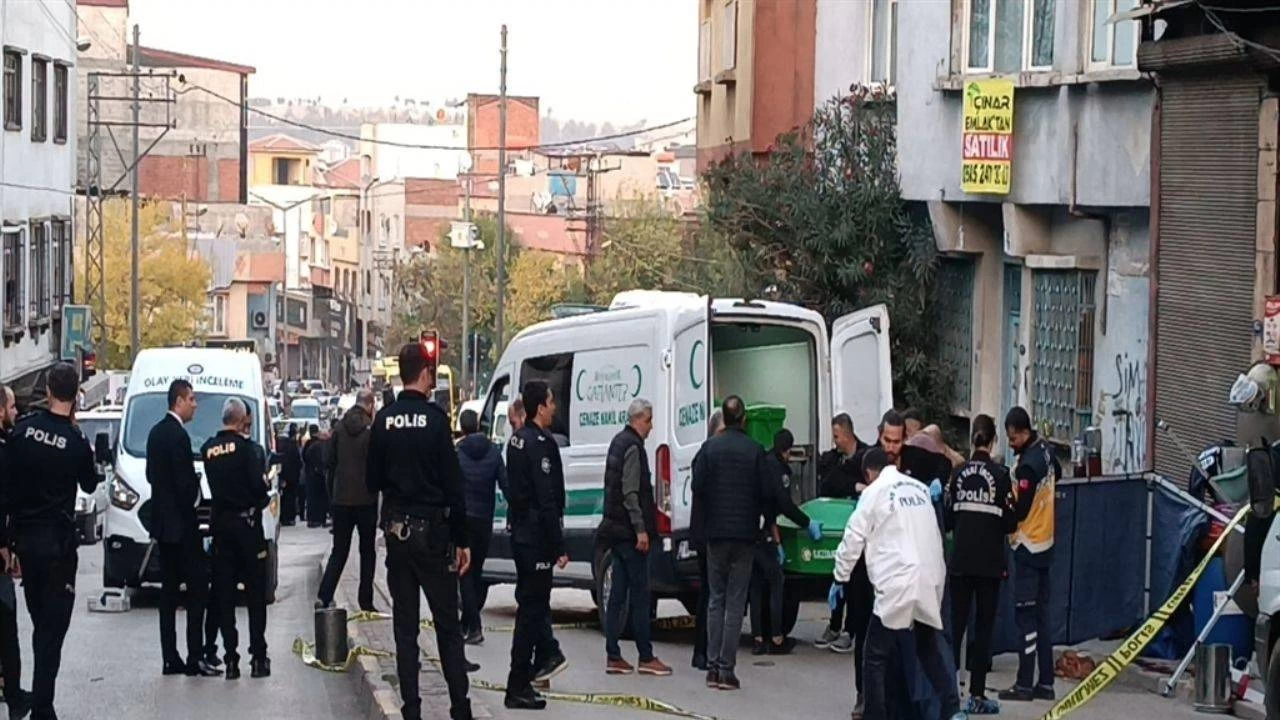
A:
412	462
535	477
234	465
48	459
979	511
18	700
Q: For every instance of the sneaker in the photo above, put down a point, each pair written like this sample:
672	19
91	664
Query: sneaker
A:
654	667
713	678
858	709
527	700
552	667
842	644
758	647
618	666
783	648
1043	692
729	681
474	637
982	706
1017	694
471	666
828	636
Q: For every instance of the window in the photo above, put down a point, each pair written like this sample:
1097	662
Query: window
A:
220	314
557	372
1113	45
493	418
1009	36
1062	340
286	171
38	287
704	51
61	253
729	40
39	99
12	89
12	278
884	41
59	103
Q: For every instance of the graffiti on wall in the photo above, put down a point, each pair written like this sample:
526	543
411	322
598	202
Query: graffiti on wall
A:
1124	409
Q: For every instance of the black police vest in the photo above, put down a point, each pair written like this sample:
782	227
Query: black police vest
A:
616	524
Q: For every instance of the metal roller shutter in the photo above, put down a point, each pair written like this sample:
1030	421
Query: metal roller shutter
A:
1205	265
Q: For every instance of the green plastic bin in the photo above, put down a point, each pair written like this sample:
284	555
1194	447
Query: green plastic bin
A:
806	557
764	421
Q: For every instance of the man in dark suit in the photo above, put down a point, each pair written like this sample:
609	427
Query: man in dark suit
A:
175	491
290	474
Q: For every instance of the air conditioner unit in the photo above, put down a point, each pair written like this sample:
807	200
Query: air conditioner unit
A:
259	319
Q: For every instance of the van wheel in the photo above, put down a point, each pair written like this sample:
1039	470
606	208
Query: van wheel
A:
273	571
790	609
603	575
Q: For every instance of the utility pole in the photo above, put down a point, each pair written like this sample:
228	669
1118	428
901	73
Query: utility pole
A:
135	336
499	331
284	297
466	287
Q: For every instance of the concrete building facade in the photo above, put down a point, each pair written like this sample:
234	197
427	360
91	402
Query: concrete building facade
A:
37	182
1056	273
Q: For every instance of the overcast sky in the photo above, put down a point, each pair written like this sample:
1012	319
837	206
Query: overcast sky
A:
593	60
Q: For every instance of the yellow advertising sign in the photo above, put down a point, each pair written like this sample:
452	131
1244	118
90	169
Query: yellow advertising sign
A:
987	150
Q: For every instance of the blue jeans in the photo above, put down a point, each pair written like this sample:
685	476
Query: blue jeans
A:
630	584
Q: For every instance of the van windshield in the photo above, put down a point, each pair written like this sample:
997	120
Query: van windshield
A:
144	411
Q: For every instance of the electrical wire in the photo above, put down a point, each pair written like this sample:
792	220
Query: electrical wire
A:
61	28
20	186
1239	10
1235	38
417	146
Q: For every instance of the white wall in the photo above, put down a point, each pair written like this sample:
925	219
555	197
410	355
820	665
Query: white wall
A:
296	224
36	178
391	162
841	48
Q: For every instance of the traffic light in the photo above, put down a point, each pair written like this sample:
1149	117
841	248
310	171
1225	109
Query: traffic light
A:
88	363
431	345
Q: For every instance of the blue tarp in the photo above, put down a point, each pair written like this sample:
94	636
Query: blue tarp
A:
1176	528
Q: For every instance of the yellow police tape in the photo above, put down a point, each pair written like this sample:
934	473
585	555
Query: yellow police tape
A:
631	702
680	622
1111	667
367	616
307	651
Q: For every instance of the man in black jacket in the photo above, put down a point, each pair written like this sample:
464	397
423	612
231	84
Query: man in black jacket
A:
313	458
840	476
698	541
175	490
354	507
628	526
412	462
731	480
483	471
535	477
979	511
766	573
290	474
18	700
52	458
237	481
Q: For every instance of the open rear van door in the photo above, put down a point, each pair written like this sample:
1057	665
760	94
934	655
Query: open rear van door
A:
690	367
861	374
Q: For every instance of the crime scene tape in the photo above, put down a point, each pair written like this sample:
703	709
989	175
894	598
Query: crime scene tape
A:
307	651
367	616
1111	667
680	622
630	702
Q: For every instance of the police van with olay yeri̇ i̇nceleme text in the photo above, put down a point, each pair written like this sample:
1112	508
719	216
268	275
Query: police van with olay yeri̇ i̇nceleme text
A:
683	353
129	559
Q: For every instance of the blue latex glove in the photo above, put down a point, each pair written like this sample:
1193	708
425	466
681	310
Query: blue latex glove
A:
815	530
835	595
782	556
935	490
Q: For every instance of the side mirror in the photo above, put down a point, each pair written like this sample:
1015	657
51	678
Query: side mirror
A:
102	447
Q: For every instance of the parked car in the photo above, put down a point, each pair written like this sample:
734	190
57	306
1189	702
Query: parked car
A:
91	507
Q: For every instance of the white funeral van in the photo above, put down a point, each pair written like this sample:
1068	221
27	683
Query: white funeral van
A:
215	374
682	352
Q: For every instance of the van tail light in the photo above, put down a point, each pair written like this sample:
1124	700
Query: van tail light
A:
662	490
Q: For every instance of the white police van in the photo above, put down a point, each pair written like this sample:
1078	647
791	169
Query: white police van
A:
682	352
129	558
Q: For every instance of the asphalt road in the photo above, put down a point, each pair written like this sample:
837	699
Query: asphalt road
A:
810	684
111	662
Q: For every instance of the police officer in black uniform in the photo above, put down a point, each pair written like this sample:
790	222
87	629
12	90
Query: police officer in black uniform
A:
234	465
48	459
412	462
535	476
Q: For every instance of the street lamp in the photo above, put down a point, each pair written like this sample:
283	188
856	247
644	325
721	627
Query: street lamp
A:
284	281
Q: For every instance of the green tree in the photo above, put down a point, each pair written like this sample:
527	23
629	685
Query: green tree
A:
823	220
173	282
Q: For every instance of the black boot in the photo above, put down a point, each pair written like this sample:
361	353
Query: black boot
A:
260	667
233	669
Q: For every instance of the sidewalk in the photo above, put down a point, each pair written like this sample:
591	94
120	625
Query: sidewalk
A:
377	686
